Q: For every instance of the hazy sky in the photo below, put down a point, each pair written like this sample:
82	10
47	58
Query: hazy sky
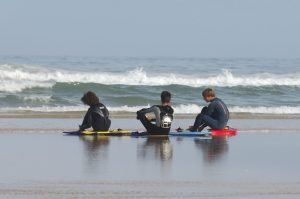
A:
201	28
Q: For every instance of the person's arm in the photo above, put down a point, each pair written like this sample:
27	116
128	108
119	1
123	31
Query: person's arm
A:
105	111
156	112
148	110
87	121
152	109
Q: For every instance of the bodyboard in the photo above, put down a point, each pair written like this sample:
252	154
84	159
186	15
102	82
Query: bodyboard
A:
223	132
104	133
189	133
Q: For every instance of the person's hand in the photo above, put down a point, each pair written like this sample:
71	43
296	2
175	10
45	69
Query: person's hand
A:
138	113
148	117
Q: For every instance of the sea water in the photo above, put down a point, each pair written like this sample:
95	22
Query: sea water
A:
126	84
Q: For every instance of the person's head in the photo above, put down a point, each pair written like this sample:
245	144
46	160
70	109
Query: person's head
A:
90	98
165	97
208	94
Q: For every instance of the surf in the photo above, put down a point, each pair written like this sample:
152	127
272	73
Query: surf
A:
16	78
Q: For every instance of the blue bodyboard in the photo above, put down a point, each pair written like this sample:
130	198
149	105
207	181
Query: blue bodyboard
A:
138	134
188	133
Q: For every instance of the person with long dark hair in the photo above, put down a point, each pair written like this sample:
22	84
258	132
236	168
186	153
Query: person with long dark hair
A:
97	115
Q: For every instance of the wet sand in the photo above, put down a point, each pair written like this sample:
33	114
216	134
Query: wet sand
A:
55	125
152	189
40	162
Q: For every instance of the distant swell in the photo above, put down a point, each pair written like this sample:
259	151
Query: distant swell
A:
17	78
179	109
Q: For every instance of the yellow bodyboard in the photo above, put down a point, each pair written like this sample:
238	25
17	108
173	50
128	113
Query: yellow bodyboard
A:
112	132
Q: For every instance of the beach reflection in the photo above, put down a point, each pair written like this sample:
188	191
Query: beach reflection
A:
213	149
95	150
159	147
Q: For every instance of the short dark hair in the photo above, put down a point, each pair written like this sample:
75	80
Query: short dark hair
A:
208	92
165	97
90	98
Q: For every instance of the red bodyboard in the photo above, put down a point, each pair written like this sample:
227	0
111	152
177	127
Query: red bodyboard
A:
224	132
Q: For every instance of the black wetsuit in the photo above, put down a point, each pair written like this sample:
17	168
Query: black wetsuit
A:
216	115
163	119
96	117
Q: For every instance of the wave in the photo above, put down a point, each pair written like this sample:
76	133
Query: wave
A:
179	109
36	98
194	109
15	78
266	110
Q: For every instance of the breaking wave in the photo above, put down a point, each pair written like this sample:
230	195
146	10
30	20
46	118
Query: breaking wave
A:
15	78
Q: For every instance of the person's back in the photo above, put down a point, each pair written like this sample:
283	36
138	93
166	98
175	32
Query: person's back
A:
163	116
97	115
100	117
218	110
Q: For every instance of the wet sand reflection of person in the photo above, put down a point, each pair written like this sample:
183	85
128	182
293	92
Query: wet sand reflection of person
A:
213	149
95	148
160	146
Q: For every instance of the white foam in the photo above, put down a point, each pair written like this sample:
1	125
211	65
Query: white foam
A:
126	108
16	78
187	109
266	110
180	109
194	109
45	109
37	98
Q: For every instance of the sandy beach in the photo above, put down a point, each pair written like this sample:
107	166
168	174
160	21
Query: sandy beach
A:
38	161
152	189
66	121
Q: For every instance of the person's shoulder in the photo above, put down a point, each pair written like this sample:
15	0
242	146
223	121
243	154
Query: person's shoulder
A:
101	106
172	109
156	106
218	99
169	108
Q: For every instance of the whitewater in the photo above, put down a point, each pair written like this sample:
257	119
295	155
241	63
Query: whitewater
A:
16	78
264	86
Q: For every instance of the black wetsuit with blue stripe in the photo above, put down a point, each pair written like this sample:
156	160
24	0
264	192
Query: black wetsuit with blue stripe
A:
216	116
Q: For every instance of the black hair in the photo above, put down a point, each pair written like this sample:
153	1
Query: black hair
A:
165	97
90	98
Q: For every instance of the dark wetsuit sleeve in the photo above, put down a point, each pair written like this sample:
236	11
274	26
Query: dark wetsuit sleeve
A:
156	111
87	121
211	108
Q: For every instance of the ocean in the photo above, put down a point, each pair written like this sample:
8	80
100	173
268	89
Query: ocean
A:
126	84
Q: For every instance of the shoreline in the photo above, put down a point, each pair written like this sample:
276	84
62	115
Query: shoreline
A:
129	115
59	124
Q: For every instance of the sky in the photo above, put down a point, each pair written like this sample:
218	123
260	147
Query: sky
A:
181	28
